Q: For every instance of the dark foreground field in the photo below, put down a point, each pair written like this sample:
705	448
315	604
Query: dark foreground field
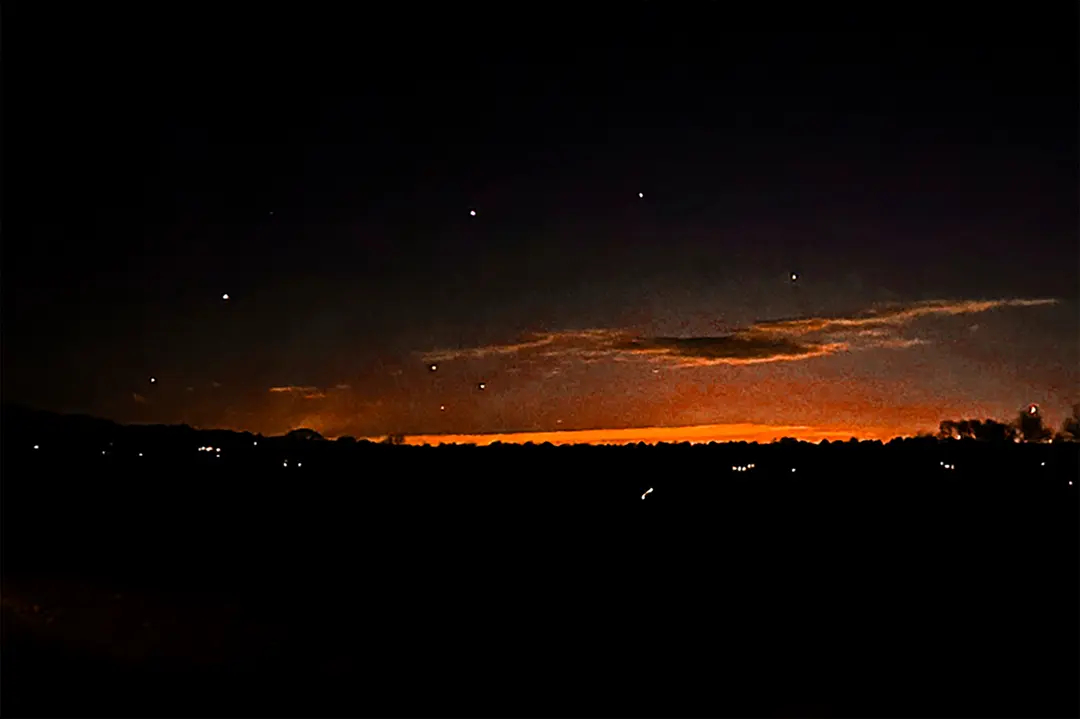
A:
398	581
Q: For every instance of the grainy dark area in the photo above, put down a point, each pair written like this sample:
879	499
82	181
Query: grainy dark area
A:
534	581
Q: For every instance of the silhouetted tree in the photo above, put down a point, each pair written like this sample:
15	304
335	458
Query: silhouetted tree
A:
303	434
347	439
1070	428
992	431
394	439
1031	427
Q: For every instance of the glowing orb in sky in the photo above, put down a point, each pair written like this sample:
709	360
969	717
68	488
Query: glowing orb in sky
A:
225	296
434	367
472	213
482	385
794	276
642	194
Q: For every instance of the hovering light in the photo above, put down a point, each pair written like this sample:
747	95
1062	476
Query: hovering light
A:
792	469
646	492
1070	482
641	194
284	464
482	385
153	380
255	443
103	451
140	454
1032	409
36	447
794	276
434	367
299	464
1042	464
472	213
225	296
442	407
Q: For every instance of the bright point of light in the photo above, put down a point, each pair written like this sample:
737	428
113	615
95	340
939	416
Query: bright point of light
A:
1070	482
646	492
36	447
1032	409
103	451
153	380
434	367
225	296
256	443
284	464
1042	464
472	213
299	464
792	469
483	386
794	276
140	454
442	407
641	194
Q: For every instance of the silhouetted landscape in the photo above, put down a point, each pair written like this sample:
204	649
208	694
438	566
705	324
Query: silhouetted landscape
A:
153	569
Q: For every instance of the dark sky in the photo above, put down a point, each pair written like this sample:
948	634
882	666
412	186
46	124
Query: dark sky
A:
919	178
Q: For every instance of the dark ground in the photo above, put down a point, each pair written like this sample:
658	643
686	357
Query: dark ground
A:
396	581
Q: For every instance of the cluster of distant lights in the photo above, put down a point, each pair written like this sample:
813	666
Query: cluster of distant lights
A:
742	467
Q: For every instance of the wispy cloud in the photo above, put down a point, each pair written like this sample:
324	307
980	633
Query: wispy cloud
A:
785	340
308	392
294	389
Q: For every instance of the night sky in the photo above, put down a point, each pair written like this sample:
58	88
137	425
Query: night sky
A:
646	183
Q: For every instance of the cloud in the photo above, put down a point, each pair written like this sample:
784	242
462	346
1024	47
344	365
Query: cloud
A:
786	340
307	392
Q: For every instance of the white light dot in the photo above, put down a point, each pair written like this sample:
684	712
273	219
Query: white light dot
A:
284	464
641	194
794	276
1042	464
472	213
153	380
792	469
36	447
103	451
140	454
225	296
1070	482
256	443
434	367
442	407
299	464
483	386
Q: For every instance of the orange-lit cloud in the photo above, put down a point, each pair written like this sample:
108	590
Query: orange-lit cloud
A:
787	340
295	390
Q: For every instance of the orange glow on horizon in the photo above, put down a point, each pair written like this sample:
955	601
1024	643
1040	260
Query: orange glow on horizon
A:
653	435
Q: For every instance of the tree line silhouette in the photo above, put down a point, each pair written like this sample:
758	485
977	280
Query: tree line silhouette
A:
1028	426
